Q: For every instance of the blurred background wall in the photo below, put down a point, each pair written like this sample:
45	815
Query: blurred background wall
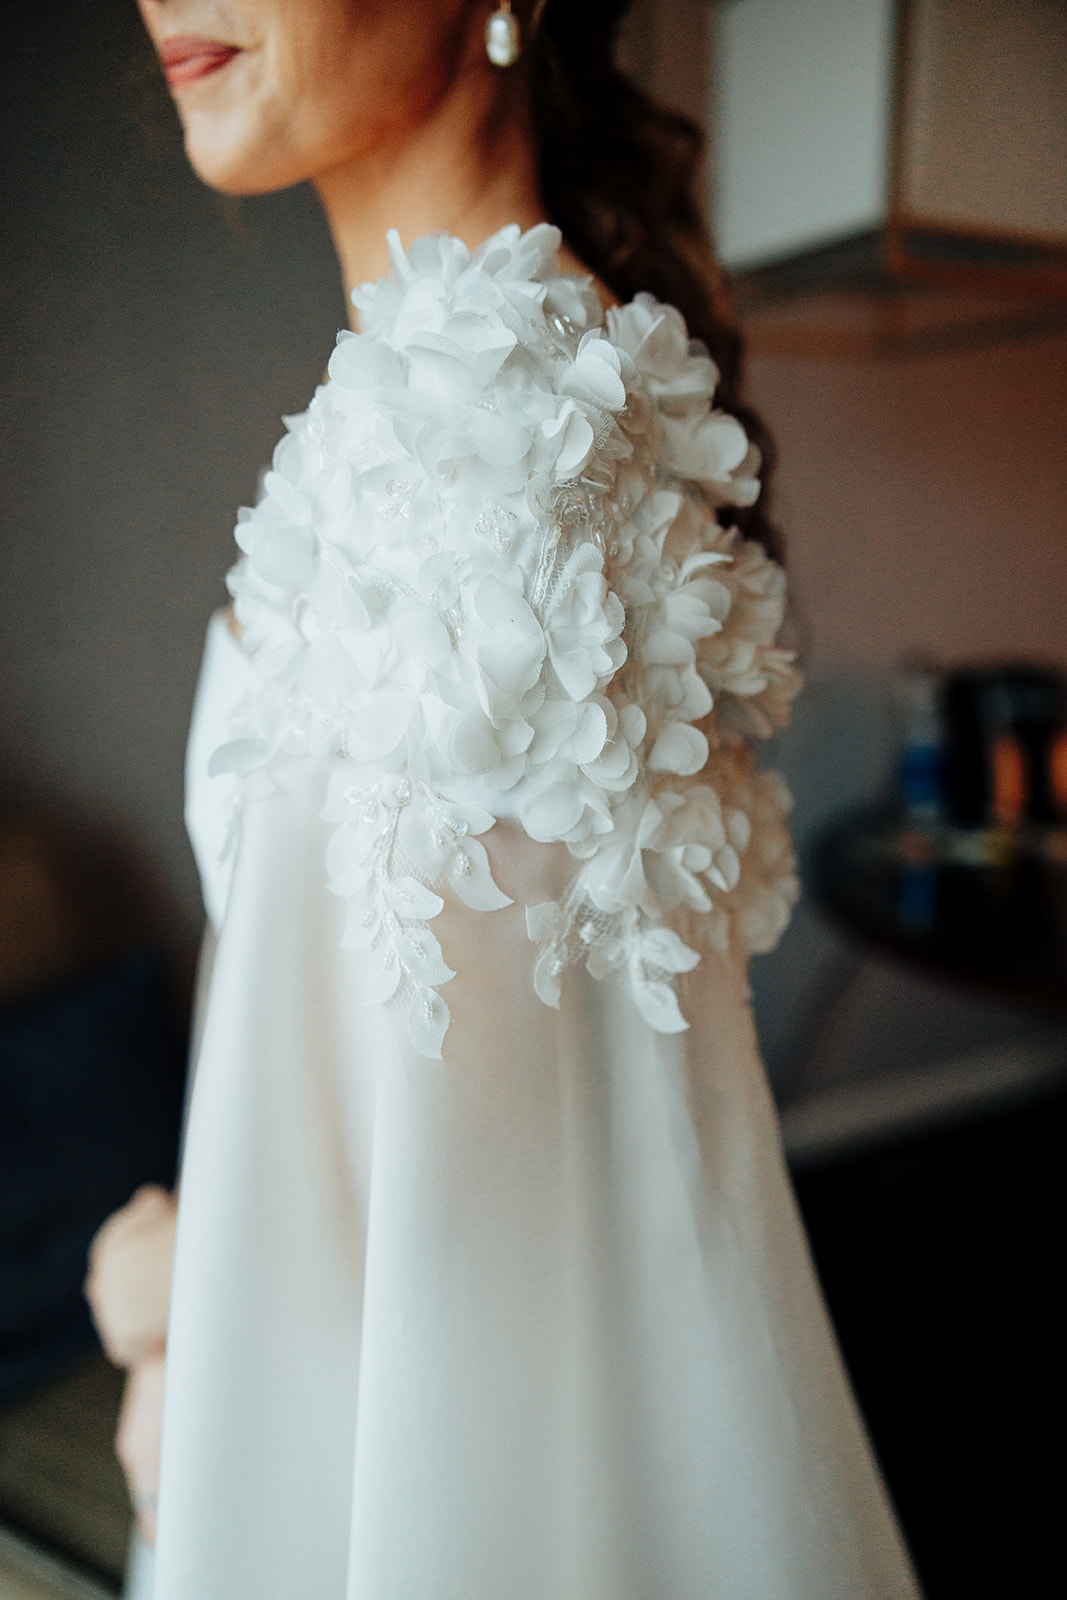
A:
925	506
153	336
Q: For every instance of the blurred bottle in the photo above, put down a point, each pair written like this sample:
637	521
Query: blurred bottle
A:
1004	726
922	754
1057	768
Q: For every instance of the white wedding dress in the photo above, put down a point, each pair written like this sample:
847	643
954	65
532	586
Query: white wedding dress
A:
489	1281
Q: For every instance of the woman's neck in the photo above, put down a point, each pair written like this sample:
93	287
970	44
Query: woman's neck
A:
467	169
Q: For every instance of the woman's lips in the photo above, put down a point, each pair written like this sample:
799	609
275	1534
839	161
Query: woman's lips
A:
187	58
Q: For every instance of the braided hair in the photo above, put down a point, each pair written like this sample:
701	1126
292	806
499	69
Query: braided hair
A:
618	176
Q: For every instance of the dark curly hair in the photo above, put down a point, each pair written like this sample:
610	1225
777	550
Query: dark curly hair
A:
618	176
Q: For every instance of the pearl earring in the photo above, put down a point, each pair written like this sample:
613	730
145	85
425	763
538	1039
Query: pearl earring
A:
503	43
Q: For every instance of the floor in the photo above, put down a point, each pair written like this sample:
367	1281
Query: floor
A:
27	1573
61	1490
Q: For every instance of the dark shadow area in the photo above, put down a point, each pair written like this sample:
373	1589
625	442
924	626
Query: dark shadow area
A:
94	1005
93	1040
940	1258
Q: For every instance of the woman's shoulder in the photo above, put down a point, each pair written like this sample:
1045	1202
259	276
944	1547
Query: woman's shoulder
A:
505	330
490	404
497	550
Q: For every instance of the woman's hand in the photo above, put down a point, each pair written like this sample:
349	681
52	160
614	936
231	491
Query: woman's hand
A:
128	1290
137	1439
128	1287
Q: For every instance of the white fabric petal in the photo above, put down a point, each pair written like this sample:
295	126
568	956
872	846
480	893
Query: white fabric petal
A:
485	555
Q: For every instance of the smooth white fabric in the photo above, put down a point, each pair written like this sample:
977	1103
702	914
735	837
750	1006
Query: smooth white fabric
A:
537	1321
534	1321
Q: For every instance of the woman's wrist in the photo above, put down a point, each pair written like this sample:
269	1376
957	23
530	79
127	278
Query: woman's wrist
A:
137	1439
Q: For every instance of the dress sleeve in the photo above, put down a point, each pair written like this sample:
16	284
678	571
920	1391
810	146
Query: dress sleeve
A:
492	574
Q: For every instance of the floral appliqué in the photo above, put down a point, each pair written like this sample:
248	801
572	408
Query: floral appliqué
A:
489	561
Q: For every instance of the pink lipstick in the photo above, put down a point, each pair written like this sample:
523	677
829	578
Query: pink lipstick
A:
187	58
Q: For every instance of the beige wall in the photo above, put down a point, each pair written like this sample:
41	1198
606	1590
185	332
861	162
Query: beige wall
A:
925	507
925	501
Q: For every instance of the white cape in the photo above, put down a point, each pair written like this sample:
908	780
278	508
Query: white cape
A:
534	1323
499	1293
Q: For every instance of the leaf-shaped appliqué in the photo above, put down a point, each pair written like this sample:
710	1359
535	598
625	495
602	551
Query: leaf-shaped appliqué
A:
486	559
658	1004
467	870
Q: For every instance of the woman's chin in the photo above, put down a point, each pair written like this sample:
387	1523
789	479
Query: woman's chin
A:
238	166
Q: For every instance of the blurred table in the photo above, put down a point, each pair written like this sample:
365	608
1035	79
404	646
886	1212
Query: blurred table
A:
983	906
